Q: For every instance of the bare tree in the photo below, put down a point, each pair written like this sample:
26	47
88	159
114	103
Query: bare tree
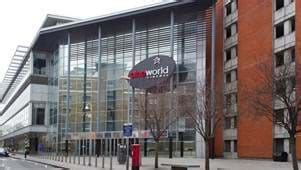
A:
158	116
274	97
205	119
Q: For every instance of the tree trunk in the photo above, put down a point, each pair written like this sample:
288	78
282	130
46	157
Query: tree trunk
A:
293	150
207	154
156	154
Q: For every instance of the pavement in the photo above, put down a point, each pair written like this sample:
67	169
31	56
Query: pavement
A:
9	163
148	163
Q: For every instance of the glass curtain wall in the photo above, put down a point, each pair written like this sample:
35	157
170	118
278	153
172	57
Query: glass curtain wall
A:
186	44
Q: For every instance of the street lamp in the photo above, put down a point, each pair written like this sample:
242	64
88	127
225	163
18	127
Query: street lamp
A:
128	119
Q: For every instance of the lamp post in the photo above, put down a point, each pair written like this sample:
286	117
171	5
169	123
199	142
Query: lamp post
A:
128	119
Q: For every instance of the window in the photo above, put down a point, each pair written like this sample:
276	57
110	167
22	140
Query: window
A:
279	59
279	30
227	123
280	87
235	122
292	22
228	100
279	145
228	32
293	55
228	9
228	55
235	145
228	77
279	4
279	115
227	146
40	116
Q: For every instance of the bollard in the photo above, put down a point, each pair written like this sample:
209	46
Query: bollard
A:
103	145
84	152
95	154
79	149
110	152
90	152
75	151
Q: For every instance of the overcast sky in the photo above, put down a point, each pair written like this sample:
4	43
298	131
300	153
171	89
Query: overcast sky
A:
21	19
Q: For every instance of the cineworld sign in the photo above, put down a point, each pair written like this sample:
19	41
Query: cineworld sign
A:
152	72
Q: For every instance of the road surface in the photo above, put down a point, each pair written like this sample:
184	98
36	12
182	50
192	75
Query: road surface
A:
21	164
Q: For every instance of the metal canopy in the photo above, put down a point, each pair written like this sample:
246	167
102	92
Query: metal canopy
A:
12	71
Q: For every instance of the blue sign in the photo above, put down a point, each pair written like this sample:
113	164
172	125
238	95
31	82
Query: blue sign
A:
127	129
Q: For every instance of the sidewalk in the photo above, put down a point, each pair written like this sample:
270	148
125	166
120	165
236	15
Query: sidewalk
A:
148	163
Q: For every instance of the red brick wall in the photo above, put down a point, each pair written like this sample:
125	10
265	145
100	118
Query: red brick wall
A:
219	77
254	43
298	63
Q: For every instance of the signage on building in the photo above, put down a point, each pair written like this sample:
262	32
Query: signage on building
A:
152	72
127	130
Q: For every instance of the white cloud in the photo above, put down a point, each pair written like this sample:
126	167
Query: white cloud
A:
20	20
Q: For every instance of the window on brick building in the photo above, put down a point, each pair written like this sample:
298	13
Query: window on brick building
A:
279	4
279	145
227	123
279	59
279	115
279	30
235	146
292	24
228	77
228	55
228	32
280	88
228	9
227	146
292	54
235	122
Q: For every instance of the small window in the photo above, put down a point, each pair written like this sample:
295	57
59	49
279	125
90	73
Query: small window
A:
279	59
293	55
279	145
235	146
228	99
227	146
234	122
280	88
228	55
227	123
228	32
228	77
279	4
292	22
279	30
279	115
228	9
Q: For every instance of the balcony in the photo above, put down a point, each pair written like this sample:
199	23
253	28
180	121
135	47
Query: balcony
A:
230	64
231	18
231	87
284	13
230	134
231	41
285	42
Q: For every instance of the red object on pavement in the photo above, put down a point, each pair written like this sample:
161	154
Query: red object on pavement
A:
136	156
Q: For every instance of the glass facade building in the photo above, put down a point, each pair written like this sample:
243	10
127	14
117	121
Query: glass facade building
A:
88	102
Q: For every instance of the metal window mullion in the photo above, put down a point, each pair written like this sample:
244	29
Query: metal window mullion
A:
133	60
98	80
68	84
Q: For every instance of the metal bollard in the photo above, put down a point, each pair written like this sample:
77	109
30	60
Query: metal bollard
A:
95	154
84	152
111	154
103	153
90	151
79	149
